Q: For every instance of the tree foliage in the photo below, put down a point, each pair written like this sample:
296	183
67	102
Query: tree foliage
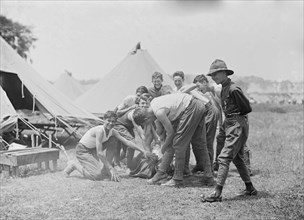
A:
19	36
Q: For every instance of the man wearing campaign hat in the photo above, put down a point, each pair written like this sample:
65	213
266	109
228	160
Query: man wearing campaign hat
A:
233	132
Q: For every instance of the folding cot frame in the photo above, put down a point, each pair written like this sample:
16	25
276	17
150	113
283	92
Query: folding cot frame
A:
52	128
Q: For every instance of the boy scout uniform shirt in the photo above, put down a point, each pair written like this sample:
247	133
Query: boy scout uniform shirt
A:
234	102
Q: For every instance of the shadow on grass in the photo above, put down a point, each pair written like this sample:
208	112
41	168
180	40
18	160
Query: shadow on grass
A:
76	177
189	181
234	172
105	177
198	181
27	171
261	194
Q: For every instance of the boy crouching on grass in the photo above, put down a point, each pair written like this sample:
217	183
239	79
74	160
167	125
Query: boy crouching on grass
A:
91	147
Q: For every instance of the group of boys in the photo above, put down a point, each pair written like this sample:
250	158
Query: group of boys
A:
176	118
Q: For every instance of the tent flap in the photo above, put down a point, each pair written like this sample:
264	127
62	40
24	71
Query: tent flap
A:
8	115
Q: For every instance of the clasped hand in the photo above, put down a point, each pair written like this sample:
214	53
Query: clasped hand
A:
151	156
114	175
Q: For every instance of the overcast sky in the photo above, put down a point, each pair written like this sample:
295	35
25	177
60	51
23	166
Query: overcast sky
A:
89	38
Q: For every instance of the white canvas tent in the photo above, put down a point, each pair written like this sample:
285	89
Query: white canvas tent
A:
8	115
135	70
69	86
26	89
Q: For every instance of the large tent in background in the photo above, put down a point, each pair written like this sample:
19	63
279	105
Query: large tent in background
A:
8	115
135	70
27	89
69	86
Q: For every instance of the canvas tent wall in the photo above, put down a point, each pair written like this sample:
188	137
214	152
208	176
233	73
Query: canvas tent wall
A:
69	86
135	70
8	115
27	89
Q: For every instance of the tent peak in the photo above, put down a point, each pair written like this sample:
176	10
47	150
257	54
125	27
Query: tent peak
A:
137	47
67	72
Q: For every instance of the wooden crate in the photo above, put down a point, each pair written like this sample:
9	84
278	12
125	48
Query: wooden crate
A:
15	158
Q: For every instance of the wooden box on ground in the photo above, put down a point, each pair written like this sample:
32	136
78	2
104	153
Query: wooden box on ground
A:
15	158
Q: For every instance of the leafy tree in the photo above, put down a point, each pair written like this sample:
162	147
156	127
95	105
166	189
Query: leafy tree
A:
19	36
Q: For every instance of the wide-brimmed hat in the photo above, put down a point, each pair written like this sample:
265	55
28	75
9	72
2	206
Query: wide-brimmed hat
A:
219	65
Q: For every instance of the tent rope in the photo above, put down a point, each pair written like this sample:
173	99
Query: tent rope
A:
22	89
56	126
34	103
17	130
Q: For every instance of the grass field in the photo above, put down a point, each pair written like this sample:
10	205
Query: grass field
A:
276	143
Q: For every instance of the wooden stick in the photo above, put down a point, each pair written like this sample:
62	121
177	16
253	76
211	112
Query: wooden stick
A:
33	140
47	165
50	140
55	165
